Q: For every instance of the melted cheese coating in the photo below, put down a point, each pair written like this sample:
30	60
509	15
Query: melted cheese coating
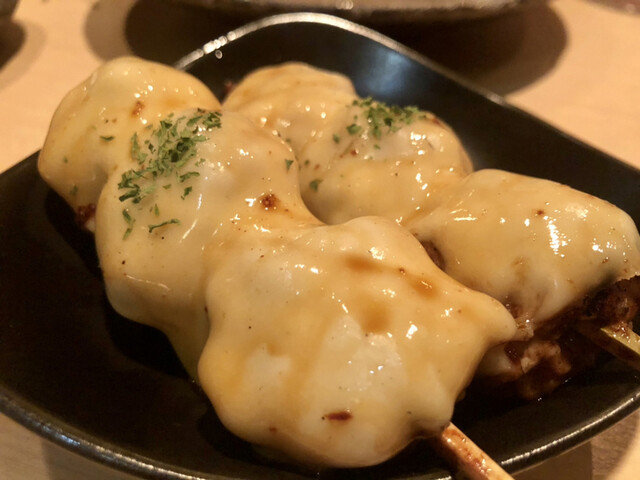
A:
535	245
315	313
159	277
334	344
293	101
90	133
352	343
356	157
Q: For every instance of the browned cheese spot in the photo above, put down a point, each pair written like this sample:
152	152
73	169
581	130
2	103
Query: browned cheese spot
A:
366	265
375	317
361	264
273	349
422	287
137	109
269	201
341	416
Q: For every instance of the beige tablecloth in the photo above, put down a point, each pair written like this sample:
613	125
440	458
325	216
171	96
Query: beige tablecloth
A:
574	63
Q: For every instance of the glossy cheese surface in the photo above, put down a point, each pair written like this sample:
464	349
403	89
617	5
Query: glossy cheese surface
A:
357	157
351	342
293	101
158	277
91	130
535	245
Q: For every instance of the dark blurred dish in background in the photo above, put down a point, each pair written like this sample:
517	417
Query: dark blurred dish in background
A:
370	11
6	10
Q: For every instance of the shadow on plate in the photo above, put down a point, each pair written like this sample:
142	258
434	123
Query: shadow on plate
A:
159	31
145	345
501	53
12	37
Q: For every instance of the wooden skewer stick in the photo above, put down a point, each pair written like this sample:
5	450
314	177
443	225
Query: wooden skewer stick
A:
622	343
466	457
617	307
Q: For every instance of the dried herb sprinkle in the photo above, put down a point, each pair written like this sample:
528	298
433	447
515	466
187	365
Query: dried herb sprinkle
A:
162	160
382	118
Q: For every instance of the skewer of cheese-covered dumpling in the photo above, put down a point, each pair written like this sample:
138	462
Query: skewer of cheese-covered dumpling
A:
91	130
340	183
356	156
551	254
336	345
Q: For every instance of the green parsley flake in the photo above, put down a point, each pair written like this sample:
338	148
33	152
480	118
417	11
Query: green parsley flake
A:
313	184
354	129
74	190
336	138
288	164
167	222
173	146
130	221
136	154
187	175
383	118
107	138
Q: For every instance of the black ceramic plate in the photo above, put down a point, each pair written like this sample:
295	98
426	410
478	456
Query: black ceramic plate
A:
74	371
